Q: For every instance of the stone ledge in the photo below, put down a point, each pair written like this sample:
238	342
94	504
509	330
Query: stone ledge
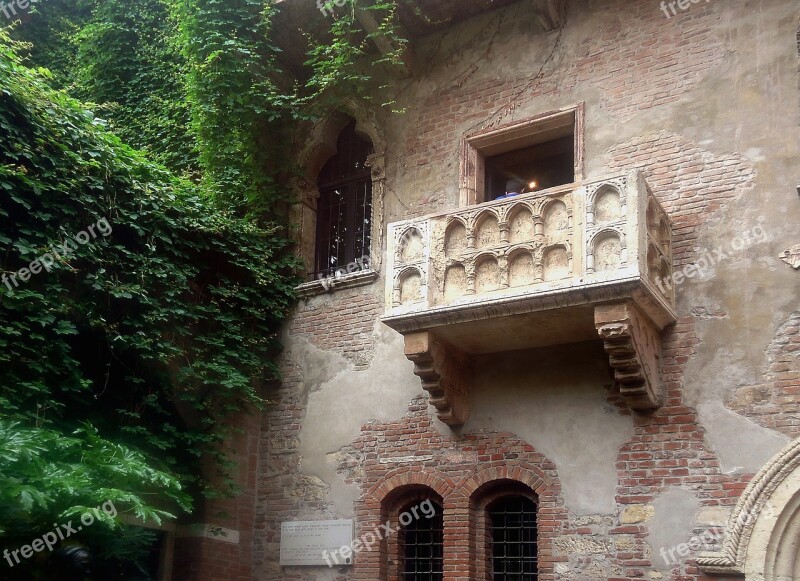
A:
317	287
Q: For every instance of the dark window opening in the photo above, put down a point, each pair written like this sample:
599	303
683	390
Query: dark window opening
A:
421	543
344	210
537	167
512	520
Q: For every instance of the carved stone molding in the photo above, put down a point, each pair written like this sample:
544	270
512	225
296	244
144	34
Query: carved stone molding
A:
791	256
633	345
757	499
445	375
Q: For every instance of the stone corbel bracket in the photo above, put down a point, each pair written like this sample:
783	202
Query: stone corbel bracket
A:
445	375
633	344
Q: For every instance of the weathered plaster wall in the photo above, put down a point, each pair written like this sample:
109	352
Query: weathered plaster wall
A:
707	104
557	398
341	400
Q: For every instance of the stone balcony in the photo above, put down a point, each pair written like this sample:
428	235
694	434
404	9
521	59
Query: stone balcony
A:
563	265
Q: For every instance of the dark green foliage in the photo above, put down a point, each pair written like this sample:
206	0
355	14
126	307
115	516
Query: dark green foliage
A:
129	62
231	65
146	337
123	361
122	55
242	101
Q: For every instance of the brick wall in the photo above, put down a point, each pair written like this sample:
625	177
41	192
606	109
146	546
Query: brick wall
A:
199	558
636	62
775	402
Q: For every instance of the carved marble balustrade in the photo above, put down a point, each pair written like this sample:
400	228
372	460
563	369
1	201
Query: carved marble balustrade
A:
558	266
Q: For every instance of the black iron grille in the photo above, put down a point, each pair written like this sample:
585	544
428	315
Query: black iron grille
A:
513	535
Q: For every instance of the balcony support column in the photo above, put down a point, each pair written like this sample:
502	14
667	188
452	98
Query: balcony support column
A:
633	344
445	375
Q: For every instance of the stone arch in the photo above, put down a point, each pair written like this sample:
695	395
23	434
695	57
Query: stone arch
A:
487	229
607	250
411	246
761	538
455	238
410	285
556	217
606	203
317	147
382	503
320	144
488	274
455	282
521	223
521	267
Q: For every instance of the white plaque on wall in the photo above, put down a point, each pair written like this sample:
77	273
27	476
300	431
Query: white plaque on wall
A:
306	542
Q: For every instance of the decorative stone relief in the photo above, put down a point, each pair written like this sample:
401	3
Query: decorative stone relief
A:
521	225
607	206
556	263
501	246
761	533
556	218
445	375
455	282
487	275
791	256
633	344
410	269
456	239
410	287
606	202
521	269
412	247
606	252
488	232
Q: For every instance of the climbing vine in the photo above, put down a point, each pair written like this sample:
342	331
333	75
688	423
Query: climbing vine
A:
163	127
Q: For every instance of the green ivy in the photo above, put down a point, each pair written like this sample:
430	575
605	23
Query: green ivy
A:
124	360
138	344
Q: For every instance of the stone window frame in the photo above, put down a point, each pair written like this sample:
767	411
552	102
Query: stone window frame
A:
318	148
476	146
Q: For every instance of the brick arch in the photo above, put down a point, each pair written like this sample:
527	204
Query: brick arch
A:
487	485
381	504
524	473
401	478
